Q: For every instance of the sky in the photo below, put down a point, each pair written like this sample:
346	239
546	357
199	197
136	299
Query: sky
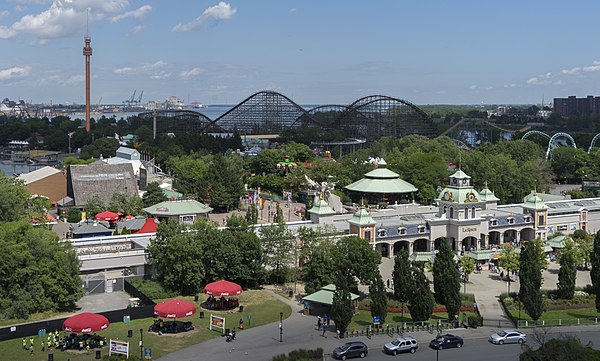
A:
312	51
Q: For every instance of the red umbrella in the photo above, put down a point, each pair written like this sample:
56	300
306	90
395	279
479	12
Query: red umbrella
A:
223	288
85	323
149	226
107	216
174	309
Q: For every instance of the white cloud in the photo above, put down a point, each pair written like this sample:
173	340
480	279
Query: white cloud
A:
138	13
136	29
14	72
572	71
73	80
63	18
3	13
540	79
187	74
210	16
153	70
293	10
473	87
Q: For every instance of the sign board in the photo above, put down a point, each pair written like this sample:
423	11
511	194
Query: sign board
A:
376	320
118	347
217	322
148	353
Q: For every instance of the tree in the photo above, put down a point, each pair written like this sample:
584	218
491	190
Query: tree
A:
93	206
509	259
103	147
355	258
125	204
446	279
14	201
153	195
223	185
566	348
378	297
341	308
567	273
278	249
402	278
318	269
595	273
468	266
39	272
178	257
420	299
530	276
252	214
278	215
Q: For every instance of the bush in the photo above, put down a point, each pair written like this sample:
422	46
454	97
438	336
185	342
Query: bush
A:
301	355
475	320
467	297
151	288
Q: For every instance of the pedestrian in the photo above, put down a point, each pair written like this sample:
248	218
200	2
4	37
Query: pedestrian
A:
502	275
337	330
31	341
43	346
328	319
388	283
318	322
324	329
31	349
24	344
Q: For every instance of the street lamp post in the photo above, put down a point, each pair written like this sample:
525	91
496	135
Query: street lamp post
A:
280	326
141	344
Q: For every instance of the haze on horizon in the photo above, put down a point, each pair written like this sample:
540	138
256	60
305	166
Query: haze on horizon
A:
315	52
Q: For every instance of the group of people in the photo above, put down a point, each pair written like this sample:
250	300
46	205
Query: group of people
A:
73	341
213	303
160	327
323	324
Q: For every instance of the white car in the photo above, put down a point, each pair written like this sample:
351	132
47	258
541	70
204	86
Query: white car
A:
508	336
401	344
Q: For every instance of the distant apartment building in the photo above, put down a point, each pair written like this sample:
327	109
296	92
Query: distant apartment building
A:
572	105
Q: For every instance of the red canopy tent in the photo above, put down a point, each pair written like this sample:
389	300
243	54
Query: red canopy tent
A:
174	309
85	323
223	288
107	216
149	226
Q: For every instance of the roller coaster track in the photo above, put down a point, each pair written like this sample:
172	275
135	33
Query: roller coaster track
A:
487	122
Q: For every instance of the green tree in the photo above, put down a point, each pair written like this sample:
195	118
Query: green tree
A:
318	270
567	273
153	195
566	348
128	205
355	258
420	299
40	273
278	249
341	308
102	147
93	206
402	278
595	272
582	250
223	185
509	259
278	215
468	266
446	279
378	297
530	277
178	257
14	201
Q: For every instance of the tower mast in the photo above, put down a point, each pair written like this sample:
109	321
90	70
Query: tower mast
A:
87	52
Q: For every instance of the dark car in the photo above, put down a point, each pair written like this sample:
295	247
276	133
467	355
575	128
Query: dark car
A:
446	341
351	349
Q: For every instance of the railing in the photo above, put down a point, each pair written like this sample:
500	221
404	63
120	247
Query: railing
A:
137	252
400	328
557	322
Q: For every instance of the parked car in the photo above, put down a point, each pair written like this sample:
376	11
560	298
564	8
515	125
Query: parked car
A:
401	344
508	336
351	349
446	341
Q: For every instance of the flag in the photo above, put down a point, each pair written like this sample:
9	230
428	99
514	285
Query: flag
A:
262	202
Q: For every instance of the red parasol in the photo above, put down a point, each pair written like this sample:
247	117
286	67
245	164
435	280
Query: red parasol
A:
223	288
174	309
149	226
85	323
107	216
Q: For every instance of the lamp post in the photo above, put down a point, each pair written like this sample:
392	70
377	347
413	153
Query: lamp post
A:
141	344
280	326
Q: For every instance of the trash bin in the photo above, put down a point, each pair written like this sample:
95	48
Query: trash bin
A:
98	354
196	298
290	293
226	331
201	314
130	333
50	357
241	308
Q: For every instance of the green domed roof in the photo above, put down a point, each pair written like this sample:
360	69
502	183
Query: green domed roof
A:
535	203
362	218
382	180
486	195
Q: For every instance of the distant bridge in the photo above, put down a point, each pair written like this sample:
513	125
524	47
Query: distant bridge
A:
269	112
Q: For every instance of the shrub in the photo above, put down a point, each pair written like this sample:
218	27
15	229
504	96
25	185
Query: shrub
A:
151	288
475	320
301	355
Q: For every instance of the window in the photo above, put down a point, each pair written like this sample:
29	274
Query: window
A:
541	220
527	219
451	212
368	235
473	212
466	213
562	227
401	231
511	220
445	209
493	222
381	233
421	229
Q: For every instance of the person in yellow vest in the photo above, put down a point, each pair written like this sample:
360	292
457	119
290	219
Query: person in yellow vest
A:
101	343
24	344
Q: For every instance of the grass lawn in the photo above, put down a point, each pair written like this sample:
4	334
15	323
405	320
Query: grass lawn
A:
568	316
263	308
